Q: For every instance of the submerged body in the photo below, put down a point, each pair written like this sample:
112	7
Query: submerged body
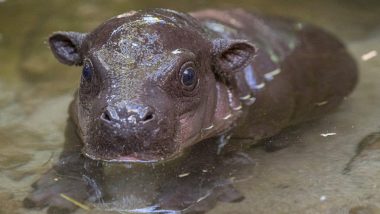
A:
156	82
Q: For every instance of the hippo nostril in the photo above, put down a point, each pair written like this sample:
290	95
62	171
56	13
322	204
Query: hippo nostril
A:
106	116
110	115
147	117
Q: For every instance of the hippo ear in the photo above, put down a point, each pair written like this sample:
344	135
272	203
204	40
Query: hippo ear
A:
231	56
66	47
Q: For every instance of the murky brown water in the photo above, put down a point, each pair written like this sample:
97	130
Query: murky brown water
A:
306	177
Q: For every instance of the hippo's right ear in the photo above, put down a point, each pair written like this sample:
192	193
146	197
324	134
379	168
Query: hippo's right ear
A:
66	47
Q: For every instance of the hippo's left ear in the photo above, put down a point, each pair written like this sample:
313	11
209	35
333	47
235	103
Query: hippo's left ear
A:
66	47
231	56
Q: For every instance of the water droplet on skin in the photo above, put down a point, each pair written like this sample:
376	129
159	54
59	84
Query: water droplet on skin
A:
152	20
177	51
270	75
259	86
273	56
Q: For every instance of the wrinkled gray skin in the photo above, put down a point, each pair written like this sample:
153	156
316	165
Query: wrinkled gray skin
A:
252	76
134	107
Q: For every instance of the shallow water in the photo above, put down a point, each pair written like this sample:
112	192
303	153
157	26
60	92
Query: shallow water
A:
308	176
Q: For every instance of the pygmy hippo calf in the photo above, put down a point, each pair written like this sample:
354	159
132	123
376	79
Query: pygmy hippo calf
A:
158	81
155	82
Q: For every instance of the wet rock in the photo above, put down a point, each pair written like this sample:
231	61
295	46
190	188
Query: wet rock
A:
367	154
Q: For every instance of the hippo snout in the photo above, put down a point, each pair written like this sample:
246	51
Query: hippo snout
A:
127	115
131	132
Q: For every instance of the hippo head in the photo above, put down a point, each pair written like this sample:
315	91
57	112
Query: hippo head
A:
153	83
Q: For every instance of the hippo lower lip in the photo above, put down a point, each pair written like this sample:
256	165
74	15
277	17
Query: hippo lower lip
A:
125	159
130	158
135	158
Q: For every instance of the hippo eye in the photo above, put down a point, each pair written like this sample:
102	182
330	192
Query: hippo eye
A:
87	71
188	76
89	79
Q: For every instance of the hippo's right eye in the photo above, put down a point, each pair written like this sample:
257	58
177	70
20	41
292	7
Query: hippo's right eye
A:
87	71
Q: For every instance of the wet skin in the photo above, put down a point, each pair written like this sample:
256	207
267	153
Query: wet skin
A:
156	82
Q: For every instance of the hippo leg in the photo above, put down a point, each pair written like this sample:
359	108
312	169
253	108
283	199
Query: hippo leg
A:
73	176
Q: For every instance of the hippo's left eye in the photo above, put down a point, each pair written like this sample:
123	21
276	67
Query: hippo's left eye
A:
87	71
89	79
188	76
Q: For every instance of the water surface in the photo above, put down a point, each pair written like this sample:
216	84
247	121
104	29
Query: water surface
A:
306	177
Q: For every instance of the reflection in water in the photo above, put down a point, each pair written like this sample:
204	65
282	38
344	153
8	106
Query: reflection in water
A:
193	183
